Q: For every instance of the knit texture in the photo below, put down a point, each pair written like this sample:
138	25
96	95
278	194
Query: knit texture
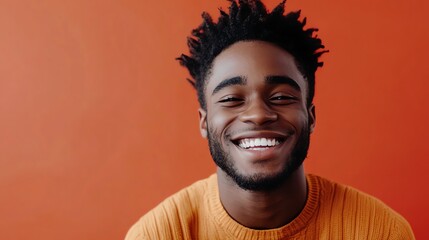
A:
332	211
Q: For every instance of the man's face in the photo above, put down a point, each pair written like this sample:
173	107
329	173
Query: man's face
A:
257	120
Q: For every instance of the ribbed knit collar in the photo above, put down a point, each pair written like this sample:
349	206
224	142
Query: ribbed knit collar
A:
235	230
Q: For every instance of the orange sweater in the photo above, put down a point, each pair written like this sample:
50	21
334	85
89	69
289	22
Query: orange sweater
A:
332	211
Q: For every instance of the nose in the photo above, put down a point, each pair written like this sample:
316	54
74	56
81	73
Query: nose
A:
258	113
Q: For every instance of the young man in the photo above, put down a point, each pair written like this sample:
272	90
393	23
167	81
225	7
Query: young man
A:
254	73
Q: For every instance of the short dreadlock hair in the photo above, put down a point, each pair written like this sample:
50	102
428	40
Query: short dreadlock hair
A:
249	20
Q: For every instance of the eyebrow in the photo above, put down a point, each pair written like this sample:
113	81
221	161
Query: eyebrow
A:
274	80
240	80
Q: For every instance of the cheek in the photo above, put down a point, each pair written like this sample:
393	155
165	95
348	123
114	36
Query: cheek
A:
298	118
220	120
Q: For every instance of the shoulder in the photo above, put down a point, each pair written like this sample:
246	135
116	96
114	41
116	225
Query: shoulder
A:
173	216
361	210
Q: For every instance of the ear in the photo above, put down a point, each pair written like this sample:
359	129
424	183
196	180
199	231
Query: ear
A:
312	117
203	122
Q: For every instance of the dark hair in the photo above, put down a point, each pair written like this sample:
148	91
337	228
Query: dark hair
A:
249	20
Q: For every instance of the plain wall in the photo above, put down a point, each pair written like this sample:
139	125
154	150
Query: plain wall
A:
98	124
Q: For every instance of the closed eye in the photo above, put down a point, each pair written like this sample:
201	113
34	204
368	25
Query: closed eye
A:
283	99
230	99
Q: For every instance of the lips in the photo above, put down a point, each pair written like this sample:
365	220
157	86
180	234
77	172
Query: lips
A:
248	143
259	140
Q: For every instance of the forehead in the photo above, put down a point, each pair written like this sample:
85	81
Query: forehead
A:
254	60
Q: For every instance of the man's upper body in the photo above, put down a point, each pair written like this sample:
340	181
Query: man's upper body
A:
332	211
254	72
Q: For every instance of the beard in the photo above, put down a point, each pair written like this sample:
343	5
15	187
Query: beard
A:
259	182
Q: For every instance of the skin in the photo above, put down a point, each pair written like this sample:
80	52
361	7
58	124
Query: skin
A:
250	106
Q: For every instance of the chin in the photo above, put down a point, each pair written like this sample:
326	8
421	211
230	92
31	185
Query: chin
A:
264	180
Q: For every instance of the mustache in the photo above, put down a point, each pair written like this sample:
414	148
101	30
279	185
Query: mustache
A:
263	128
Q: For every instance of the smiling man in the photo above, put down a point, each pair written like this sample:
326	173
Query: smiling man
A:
254	73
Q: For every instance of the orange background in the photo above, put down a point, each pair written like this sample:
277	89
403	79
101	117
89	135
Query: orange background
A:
98	125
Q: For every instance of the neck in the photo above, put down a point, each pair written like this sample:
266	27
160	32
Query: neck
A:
264	209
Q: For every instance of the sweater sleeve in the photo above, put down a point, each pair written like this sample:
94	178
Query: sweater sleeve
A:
403	231
135	232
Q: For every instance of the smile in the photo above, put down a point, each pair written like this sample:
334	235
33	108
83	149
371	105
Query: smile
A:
258	143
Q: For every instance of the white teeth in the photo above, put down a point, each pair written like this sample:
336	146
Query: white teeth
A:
258	142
